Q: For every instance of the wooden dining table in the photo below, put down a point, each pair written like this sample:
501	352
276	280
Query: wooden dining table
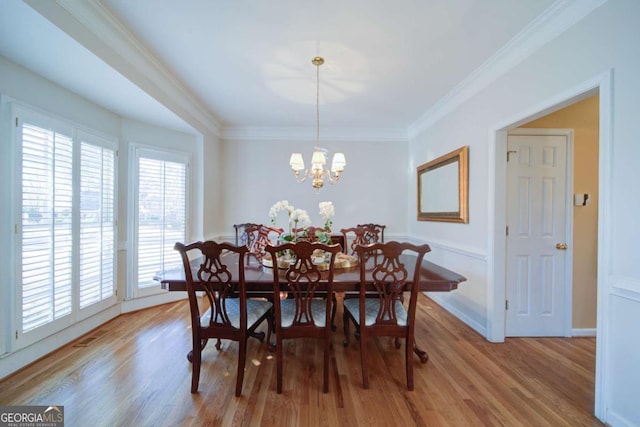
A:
259	279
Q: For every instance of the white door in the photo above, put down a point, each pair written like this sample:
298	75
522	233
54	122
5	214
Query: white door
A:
537	251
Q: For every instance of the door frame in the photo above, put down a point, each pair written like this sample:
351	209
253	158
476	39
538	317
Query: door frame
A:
567	308
496	163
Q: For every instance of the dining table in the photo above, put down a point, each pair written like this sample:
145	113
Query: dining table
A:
259	279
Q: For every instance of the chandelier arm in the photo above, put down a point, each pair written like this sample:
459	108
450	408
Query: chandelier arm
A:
332	179
297	175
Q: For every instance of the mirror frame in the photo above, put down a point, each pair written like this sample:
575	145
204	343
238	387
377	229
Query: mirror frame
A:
461	157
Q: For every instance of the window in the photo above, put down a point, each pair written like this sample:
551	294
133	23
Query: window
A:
160	212
47	245
97	224
67	229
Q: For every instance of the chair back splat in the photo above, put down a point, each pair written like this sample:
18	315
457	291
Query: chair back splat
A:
371	238
244	238
256	237
217	269
302	298
379	308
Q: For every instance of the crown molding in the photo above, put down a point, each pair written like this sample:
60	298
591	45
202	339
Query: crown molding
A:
555	20
242	133
99	31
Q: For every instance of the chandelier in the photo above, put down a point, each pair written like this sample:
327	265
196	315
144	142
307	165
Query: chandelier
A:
318	172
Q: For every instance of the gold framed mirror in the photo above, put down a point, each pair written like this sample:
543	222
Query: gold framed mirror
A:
443	185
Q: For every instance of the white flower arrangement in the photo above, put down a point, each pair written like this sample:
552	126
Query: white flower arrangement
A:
299	218
326	212
280	206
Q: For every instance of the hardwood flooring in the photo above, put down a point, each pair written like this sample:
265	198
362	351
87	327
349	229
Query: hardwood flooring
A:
133	371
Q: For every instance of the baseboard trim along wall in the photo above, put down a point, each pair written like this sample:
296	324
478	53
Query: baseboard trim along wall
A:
583	332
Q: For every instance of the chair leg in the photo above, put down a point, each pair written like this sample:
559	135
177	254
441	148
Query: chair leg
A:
278	364
325	379
196	357
334	304
270	328
242	357
363	361
345	321
409	363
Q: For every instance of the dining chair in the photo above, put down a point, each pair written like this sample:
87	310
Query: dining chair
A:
363	234
242	236
359	235
259	237
230	314
382	270
370	237
299	311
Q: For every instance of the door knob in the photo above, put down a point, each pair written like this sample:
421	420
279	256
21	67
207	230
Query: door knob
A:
561	246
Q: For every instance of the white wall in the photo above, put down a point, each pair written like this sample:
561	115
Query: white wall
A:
20	85
256	174
606	39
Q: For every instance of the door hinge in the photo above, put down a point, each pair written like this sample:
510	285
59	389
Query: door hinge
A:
506	304
510	152
507	230
16	334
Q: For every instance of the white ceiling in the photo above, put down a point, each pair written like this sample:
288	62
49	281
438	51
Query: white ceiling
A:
247	64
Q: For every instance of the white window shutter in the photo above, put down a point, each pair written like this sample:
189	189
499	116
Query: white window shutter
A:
161	215
67	229
47	240
97	229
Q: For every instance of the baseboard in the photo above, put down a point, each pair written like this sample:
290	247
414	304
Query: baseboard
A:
151	300
583	332
12	362
481	329
613	419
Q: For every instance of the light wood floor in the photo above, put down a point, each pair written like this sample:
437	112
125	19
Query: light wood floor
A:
133	371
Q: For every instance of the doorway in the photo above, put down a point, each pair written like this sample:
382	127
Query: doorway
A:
581	251
602	86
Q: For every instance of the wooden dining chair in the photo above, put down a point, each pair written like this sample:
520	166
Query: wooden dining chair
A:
302	313
386	315
359	235
372	237
260	236
230	314
363	234
242	236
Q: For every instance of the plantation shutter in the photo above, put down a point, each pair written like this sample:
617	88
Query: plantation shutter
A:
47	234
97	223
161	202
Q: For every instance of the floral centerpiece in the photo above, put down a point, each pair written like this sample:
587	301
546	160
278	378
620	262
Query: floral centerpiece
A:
299	225
299	221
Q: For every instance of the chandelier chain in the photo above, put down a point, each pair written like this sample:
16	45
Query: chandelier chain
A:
318	172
